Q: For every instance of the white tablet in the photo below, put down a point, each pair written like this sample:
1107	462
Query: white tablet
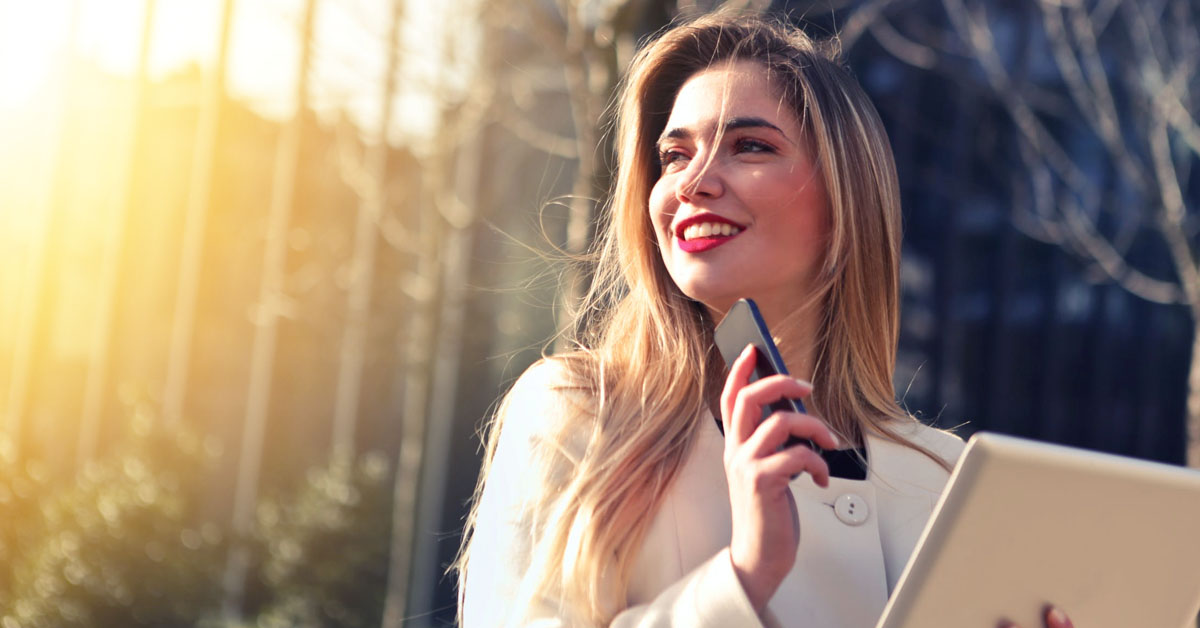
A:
1114	542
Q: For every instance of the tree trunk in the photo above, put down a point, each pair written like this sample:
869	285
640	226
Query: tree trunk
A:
362	266
580	74
200	183
416	364
441	420
34	315
266	320
99	364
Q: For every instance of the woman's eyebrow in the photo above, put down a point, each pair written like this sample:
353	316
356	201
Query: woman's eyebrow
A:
754	121
741	122
677	133
747	122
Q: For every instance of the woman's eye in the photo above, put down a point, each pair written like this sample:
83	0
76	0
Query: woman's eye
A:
669	156
752	146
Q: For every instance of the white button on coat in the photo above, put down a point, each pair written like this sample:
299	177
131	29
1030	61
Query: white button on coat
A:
851	509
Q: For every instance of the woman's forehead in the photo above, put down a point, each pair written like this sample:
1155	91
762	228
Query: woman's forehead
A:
728	91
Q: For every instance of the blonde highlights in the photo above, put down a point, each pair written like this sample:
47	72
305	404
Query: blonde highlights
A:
645	358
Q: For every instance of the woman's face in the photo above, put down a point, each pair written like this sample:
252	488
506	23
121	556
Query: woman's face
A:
745	216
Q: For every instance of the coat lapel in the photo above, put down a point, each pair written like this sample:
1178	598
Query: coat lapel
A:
847	561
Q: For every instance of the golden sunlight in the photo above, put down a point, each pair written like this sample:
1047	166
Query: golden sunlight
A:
31	36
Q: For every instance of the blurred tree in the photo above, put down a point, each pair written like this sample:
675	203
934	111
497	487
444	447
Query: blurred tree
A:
96	390
1100	96
200	187
35	318
371	183
433	327
125	545
325	549
270	306
589	43
22	486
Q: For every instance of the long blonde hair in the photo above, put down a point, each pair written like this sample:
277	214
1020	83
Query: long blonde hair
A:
645	352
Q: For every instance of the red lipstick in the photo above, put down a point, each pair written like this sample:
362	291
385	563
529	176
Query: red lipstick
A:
703	243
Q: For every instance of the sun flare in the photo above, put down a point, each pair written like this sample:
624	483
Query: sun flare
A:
31	35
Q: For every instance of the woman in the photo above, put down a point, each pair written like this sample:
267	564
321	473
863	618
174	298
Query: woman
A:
750	165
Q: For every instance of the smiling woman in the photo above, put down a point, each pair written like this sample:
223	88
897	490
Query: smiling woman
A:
751	164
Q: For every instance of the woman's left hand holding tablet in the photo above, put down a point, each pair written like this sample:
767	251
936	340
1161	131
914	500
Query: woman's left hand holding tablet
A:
765	524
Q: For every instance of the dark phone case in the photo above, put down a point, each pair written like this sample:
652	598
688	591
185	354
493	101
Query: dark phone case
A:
744	325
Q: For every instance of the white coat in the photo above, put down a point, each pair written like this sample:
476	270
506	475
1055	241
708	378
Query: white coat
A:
850	556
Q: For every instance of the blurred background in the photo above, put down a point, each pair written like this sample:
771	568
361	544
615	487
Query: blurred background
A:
265	266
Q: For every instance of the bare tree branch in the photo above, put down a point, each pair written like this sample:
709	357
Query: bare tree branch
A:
1090	89
1111	261
974	30
861	21
546	141
1142	115
901	47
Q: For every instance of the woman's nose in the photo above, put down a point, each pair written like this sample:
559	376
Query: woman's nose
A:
701	180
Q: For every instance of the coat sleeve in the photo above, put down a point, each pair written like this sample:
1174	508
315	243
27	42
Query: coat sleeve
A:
497	589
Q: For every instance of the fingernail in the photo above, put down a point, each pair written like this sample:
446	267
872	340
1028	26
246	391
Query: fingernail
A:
1056	615
748	349
804	383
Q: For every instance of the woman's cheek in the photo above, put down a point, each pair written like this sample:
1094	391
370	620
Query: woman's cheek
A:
660	212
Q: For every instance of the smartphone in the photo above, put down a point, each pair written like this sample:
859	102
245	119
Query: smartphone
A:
744	325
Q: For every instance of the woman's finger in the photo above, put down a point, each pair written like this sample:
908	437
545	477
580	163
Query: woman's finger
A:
793	461
1052	615
739	376
775	431
774	388
1055	618
750	400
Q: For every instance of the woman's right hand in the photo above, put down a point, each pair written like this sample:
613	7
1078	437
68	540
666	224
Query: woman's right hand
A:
766	527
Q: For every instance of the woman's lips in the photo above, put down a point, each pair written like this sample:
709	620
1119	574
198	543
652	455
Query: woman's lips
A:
703	243
705	231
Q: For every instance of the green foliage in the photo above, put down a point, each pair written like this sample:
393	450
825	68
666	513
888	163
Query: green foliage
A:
326	548
123	545
21	486
124	542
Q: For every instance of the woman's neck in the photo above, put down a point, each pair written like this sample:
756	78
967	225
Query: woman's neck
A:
795	327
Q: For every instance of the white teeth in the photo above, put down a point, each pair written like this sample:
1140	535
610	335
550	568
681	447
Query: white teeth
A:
707	229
